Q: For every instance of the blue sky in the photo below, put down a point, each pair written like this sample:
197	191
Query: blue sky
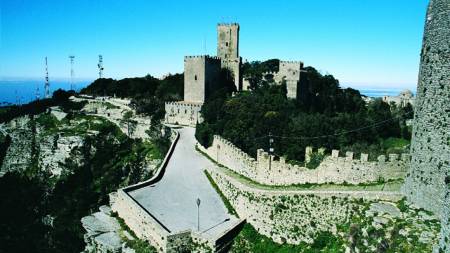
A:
369	43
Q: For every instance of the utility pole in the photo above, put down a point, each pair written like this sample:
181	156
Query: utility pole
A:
198	214
47	84
71	57
218	149
270	150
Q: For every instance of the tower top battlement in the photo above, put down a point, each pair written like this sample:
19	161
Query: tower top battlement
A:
207	57
228	24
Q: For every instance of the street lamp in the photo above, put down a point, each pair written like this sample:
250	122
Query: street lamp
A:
270	150
198	214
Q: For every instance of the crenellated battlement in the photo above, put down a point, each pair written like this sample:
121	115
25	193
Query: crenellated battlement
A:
349	156
274	170
183	113
292	62
207	57
270	73
228	24
184	103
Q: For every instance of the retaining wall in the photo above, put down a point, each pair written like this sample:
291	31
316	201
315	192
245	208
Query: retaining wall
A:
295	216
140	220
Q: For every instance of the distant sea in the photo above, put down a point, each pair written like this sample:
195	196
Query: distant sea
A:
380	92
13	92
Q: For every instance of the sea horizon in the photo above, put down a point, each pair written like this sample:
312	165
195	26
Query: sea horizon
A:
24	90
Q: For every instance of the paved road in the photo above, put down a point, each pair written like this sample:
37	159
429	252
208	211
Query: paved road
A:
173	199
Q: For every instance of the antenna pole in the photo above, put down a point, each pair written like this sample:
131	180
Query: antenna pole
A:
47	84
100	66
37	92
71	72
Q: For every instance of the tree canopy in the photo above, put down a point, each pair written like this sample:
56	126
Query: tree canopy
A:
326	118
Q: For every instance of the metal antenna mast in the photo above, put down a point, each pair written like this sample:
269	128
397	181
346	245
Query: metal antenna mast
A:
38	96
71	72
47	84
100	66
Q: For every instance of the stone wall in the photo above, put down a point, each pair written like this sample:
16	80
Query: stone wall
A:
333	169
428	180
139	220
183	113
228	50
228	40
297	216
290	73
201	75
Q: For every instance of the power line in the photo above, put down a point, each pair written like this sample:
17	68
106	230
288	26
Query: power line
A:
377	124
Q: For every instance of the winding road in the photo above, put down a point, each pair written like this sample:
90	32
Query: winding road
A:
173	199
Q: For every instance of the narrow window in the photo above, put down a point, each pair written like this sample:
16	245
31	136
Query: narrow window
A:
195	77
226	44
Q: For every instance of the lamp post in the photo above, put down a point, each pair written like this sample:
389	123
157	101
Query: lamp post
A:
270	150
198	214
218	149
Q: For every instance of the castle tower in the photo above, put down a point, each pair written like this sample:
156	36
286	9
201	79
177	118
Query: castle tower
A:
290	71
428	182
228	41
228	50
201	75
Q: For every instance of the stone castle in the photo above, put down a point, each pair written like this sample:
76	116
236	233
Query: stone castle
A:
403	99
201	74
296	216
428	181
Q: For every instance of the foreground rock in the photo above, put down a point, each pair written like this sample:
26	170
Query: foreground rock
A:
104	233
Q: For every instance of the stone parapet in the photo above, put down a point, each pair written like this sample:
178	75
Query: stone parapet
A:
206	57
183	113
333	169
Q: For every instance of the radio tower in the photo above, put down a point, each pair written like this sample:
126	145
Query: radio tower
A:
71	72
100	66
47	84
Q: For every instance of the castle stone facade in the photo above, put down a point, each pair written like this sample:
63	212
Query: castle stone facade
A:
428	180
290	73
228	50
201	76
202	73
183	113
403	99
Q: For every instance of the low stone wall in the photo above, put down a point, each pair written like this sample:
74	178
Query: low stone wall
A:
183	113
333	169
295	216
148	227
140	220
